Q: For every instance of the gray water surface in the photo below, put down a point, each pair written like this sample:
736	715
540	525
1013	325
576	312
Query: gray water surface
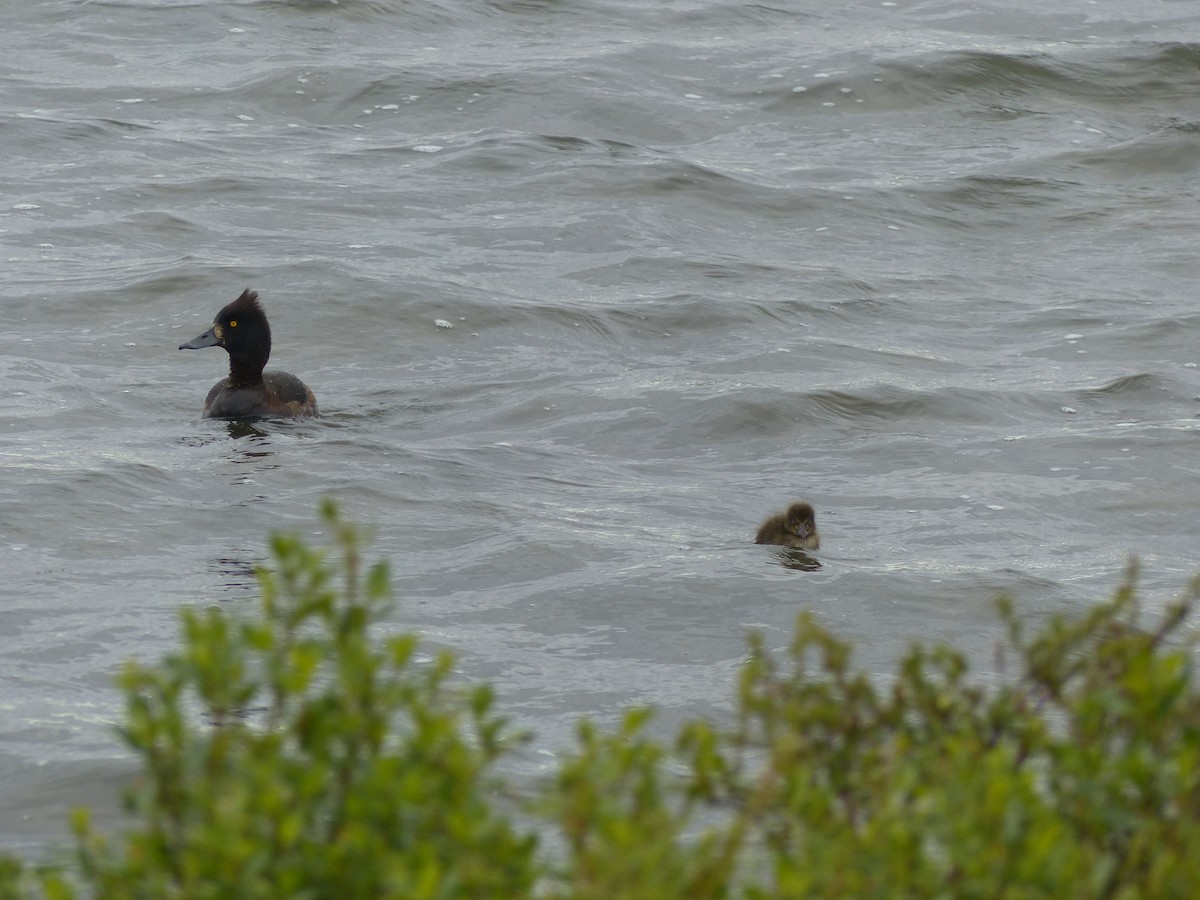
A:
931	265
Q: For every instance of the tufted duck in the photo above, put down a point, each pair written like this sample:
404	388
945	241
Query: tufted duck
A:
242	329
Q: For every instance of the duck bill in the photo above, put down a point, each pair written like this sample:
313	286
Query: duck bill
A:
208	339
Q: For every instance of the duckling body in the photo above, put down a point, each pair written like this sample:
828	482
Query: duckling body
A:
241	328
796	528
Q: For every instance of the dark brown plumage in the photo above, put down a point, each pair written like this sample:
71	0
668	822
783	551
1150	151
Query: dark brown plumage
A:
795	528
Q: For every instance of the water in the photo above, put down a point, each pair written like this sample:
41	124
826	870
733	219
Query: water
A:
930	265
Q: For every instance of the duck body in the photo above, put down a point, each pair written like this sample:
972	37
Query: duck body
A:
241	328
279	394
795	528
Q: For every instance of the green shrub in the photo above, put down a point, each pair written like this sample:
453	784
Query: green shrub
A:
291	755
296	754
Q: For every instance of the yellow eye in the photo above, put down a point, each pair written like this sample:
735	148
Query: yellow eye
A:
233	323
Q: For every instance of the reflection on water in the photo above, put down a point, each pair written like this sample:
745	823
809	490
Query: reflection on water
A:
798	559
237	574
245	428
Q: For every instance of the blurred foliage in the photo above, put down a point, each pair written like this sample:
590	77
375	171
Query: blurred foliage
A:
296	754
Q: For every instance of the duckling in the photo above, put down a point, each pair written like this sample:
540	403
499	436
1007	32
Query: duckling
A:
796	528
242	329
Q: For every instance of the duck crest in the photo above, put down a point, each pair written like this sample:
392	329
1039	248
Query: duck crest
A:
245	304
